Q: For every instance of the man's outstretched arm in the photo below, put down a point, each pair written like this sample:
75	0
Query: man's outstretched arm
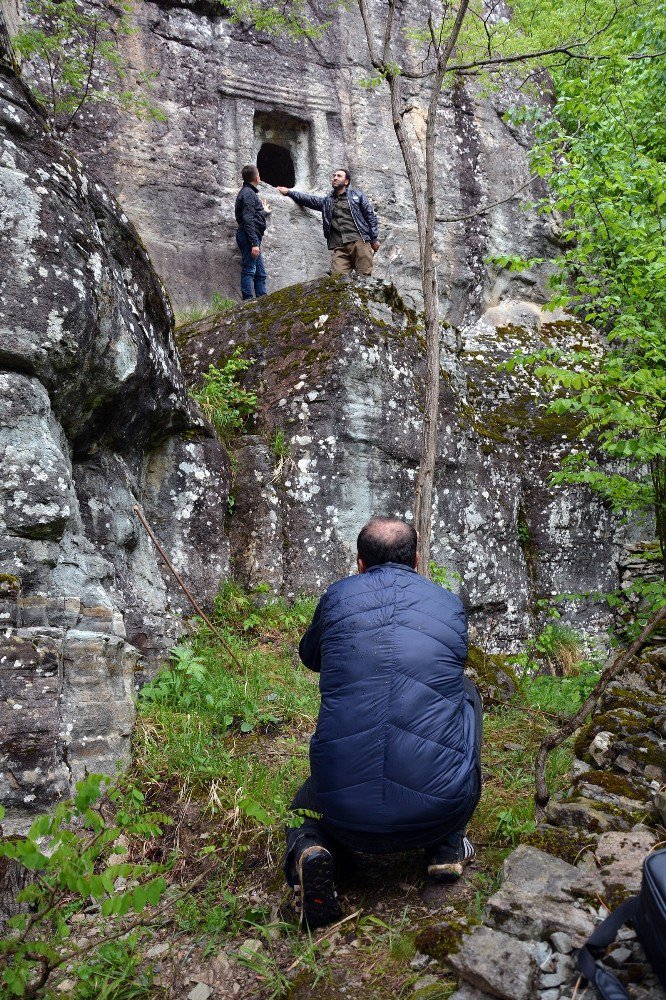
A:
315	201
309	648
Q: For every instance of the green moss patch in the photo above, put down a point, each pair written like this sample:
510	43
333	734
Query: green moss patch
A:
561	842
443	939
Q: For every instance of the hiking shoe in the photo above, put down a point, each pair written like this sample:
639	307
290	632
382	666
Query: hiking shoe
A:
444	869
315	899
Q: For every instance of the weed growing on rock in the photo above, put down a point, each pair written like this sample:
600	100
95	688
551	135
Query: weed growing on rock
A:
222	750
444	577
192	314
115	972
223	399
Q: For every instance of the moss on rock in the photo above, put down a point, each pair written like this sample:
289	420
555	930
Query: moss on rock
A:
611	782
443	939
561	842
492	674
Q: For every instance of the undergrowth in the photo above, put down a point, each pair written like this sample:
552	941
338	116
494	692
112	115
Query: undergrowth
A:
221	751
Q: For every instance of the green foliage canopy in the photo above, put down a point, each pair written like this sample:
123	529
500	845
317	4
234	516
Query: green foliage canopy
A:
603	152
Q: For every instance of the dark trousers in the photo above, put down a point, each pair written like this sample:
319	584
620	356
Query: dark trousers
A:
253	272
441	843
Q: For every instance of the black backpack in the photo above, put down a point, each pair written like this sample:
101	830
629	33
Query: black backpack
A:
647	912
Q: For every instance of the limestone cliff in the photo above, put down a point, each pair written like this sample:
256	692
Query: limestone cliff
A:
233	95
339	372
94	417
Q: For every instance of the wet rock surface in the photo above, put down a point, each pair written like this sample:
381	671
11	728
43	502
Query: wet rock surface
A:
94	418
339	373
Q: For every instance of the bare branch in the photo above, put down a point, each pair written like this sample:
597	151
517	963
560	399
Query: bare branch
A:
84	97
565	50
487	208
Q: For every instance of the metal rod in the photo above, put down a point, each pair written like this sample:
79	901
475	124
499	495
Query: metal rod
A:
142	518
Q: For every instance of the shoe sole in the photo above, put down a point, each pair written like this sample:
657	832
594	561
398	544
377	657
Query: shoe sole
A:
319	900
446	873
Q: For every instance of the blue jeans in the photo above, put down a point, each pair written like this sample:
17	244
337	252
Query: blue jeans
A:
440	844
253	272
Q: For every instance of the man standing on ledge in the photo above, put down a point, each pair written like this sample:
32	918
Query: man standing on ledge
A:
395	758
251	221
350	224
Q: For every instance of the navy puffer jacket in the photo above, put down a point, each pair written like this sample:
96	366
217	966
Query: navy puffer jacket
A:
394	744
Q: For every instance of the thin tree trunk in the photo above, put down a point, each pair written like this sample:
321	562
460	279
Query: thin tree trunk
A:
425	209
426	476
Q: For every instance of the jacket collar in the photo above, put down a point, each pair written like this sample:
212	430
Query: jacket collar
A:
248	184
393	565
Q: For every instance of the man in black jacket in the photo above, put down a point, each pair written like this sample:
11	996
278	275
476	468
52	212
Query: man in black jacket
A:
251	221
350	224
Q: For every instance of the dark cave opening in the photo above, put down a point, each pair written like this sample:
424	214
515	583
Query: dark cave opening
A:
276	165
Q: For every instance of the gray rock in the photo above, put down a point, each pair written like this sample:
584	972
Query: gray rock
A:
94	418
617	957
660	805
561	942
561	972
338	367
200	992
177	180
498	963
600	746
621	856
538	897
468	992
583	814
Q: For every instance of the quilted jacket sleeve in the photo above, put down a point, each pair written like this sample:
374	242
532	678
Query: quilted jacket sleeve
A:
315	201
369	216
309	648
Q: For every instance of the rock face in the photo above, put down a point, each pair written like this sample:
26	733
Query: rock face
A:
621	754
94	418
177	179
339	372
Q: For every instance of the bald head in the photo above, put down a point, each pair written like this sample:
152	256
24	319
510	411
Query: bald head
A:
386	539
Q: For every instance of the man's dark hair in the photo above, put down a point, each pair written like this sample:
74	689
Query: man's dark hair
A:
249	172
387	539
346	173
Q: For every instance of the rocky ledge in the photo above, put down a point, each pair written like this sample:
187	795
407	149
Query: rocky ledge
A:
582	863
338	368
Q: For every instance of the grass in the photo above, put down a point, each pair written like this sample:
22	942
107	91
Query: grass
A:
192	314
224	750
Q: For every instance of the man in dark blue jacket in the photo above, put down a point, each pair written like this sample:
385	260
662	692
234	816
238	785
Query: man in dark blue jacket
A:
350	224
251	214
395	758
